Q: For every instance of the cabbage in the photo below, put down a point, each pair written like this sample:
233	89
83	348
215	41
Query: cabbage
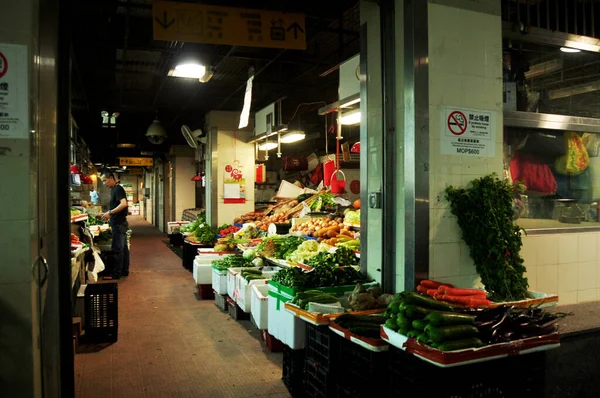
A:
306	250
249	254
353	216
258	262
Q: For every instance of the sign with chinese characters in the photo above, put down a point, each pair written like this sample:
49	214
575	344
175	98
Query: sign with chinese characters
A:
468	132
14	96
142	162
200	23
234	184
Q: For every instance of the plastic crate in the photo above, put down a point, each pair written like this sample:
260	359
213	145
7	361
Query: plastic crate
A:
221	301
101	312
359	368
318	383
344	390
412	376
235	311
293	371
205	292
318	345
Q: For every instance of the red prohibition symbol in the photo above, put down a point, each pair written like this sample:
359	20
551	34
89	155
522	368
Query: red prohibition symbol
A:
3	65
457	123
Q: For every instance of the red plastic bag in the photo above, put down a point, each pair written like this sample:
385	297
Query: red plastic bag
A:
536	176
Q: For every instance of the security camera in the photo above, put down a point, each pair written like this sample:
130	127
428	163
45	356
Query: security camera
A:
156	133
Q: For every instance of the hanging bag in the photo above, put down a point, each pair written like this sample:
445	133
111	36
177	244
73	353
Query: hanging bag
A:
576	160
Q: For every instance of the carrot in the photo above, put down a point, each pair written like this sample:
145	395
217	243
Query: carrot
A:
432	292
422	289
433	284
454	291
469	301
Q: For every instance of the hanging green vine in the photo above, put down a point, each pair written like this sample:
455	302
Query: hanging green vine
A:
485	216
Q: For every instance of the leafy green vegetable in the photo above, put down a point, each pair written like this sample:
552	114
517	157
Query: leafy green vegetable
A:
352	216
485	216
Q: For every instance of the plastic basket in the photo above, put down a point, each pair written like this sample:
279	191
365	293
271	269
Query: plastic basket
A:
412	376
101	312
317	381
318	346
293	371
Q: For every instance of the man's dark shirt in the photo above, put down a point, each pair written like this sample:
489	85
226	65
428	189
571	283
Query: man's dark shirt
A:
116	194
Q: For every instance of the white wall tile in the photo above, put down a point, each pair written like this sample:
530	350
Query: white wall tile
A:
587	275
588	247
446	259
531	275
568	249
548	250
547	278
568	277
529	251
587	295
566	298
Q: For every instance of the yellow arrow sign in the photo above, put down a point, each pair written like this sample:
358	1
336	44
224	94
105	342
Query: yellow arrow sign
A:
200	23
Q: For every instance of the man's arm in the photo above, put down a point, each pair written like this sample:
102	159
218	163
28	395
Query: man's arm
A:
122	206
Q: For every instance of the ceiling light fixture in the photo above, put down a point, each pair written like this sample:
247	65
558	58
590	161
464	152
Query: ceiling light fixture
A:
125	145
189	71
570	50
350	118
268	146
350	103
292	136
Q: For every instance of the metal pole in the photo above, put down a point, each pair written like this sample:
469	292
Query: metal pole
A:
389	197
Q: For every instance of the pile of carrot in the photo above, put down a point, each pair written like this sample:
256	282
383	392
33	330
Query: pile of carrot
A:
450	294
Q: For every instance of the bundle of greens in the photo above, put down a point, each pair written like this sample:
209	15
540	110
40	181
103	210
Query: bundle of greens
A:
322	202
279	246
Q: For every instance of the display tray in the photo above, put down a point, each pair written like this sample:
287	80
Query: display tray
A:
352	224
81	217
468	356
541	300
319	319
375	345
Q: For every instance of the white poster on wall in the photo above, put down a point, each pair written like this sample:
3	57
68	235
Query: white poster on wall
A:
13	91
468	132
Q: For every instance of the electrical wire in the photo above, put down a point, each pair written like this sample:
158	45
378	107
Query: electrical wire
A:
305	104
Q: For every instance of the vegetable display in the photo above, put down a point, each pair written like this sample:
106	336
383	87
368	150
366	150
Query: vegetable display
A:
450	294
279	246
323	201
363	325
352	216
225	230
232	261
92	220
323	227
302	299
484	212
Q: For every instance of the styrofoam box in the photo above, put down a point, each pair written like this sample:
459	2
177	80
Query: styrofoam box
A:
284	325
236	282
175	225
202	273
231	286
259	306
244	289
219	281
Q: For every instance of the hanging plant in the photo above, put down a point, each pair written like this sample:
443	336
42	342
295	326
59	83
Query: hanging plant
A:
485	216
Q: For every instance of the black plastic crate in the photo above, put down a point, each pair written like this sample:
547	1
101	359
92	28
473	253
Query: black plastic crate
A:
515	376
345	390
101	312
318	345
359	368
293	371
318	382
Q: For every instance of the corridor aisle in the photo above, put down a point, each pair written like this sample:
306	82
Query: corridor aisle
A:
171	344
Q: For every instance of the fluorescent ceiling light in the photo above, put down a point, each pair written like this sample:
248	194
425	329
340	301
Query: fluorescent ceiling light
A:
350	118
349	103
293	136
124	145
191	71
268	146
569	50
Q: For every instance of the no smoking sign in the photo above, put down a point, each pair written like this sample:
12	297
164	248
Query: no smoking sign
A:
457	123
3	65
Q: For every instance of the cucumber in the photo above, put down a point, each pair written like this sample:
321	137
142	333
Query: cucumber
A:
425	301
423	338
403	322
472	342
449	318
419	324
391	324
394	307
441	334
403	331
416	312
413	333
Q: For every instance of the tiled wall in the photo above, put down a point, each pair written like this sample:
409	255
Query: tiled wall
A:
567	264
464	71
184	168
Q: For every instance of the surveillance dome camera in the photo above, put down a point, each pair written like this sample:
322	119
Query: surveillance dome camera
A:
156	133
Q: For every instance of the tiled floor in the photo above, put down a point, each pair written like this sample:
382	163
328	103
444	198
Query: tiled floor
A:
171	344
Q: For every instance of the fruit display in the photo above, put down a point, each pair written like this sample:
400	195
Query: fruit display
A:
325	227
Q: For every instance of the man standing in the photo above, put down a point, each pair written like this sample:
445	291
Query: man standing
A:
117	213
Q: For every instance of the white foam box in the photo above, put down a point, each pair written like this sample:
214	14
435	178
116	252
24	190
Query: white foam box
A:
244	289
259	306
231	286
202	273
284	325
219	281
